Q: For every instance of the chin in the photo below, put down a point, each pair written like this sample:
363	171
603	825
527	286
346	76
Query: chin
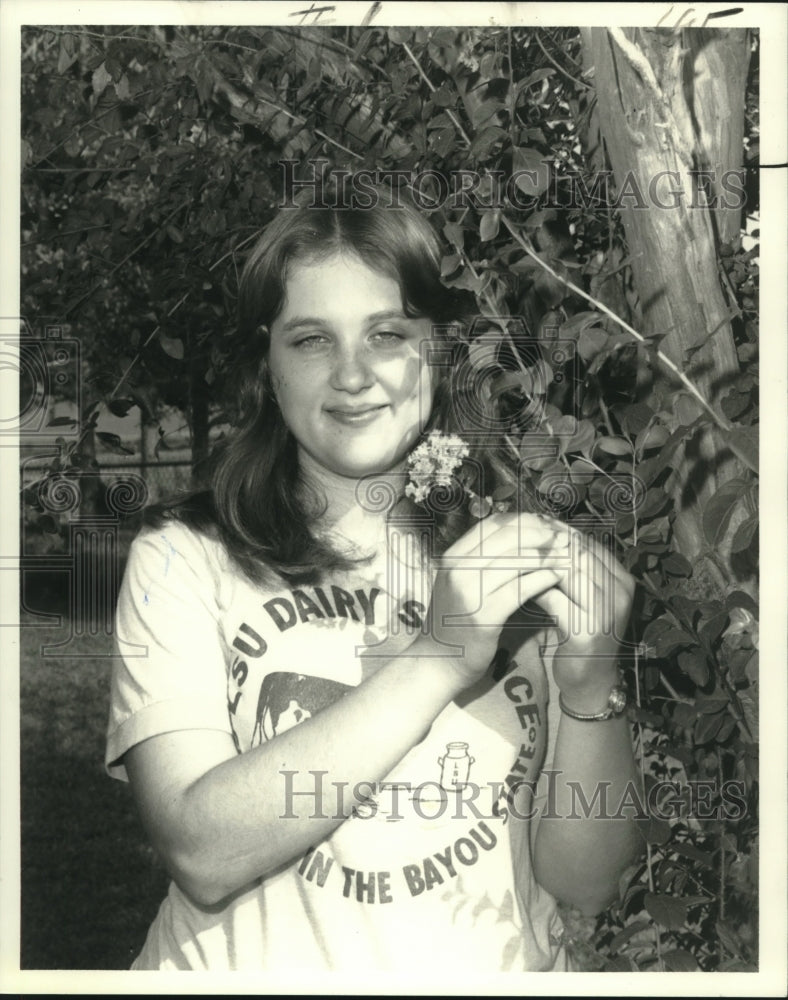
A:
368	467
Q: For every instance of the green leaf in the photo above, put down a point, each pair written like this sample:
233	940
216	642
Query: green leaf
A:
679	961
650	468
741	599
636	418
657	531
582	472
454	234
712	627
687	409
530	171
553	478
694	854
727	727
576	324
654	503
666	910
537	456
444	96
655	830
480	506
503	492
707	727
120	407
614	445
735	403
443	140
484	141
674	638
399	35
172	346
652	437
100	79
629	931
676	565
583	438
591	343
711	705
744	535
488	228
694	664
449	264
719	509
729	938
743	441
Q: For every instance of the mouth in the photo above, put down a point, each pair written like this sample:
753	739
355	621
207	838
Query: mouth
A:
354	416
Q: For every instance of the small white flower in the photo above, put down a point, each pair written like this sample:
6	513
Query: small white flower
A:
433	463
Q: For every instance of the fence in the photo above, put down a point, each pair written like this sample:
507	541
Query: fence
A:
161	479
75	537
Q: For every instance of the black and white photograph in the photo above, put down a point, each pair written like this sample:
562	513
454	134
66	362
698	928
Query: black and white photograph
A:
382	430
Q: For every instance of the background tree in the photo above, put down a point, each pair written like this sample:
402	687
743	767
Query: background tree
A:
621	340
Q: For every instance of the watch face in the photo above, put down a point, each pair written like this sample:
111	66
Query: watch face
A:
617	700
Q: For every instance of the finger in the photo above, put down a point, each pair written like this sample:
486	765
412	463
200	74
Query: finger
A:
500	603
561	609
510	539
476	535
587	585
602	551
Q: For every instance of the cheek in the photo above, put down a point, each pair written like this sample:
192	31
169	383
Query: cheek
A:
290	384
410	380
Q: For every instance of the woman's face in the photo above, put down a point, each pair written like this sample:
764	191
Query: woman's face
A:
346	366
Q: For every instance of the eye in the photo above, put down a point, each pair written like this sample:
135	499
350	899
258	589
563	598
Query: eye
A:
387	336
310	342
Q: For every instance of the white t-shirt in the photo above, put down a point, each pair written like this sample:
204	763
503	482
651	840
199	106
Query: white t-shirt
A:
435	867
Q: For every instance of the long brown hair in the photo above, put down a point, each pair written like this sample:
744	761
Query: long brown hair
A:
256	500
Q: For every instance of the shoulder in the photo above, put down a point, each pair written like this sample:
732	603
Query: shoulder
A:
177	555
176	539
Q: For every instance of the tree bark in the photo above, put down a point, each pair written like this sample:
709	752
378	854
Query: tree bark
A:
671	104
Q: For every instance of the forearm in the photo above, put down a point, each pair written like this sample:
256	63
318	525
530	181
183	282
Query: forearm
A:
234	823
587	833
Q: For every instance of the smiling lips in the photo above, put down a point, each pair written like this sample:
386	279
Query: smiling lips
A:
355	416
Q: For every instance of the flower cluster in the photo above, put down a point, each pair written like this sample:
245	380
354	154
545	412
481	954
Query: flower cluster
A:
433	463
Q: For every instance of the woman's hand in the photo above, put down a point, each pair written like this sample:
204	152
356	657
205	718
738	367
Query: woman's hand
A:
591	605
508	559
502	562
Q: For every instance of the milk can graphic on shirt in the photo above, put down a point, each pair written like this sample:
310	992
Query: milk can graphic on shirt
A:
455	766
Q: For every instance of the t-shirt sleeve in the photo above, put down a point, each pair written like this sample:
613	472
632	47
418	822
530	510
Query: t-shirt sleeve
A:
170	671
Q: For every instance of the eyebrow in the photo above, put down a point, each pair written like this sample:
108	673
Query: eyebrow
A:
300	321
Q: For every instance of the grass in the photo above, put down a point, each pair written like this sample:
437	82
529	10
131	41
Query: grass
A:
90	884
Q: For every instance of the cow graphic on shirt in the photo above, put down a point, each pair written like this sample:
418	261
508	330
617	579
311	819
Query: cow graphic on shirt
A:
288	698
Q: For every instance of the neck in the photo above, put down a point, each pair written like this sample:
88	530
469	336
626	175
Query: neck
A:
353	501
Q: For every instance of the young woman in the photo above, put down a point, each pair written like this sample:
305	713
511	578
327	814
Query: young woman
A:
329	749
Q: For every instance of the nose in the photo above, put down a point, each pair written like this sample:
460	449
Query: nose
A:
350	371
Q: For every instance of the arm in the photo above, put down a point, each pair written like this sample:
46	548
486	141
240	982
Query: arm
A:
216	816
579	859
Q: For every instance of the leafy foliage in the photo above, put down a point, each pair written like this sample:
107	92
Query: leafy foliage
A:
151	160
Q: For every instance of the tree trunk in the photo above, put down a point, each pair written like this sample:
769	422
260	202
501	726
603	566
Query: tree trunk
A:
668	109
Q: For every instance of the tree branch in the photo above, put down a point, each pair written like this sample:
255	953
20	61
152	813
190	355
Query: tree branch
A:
433	88
719	420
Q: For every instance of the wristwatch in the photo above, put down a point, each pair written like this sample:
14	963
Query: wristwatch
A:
616	703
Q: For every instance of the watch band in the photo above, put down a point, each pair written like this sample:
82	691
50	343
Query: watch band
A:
616	703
